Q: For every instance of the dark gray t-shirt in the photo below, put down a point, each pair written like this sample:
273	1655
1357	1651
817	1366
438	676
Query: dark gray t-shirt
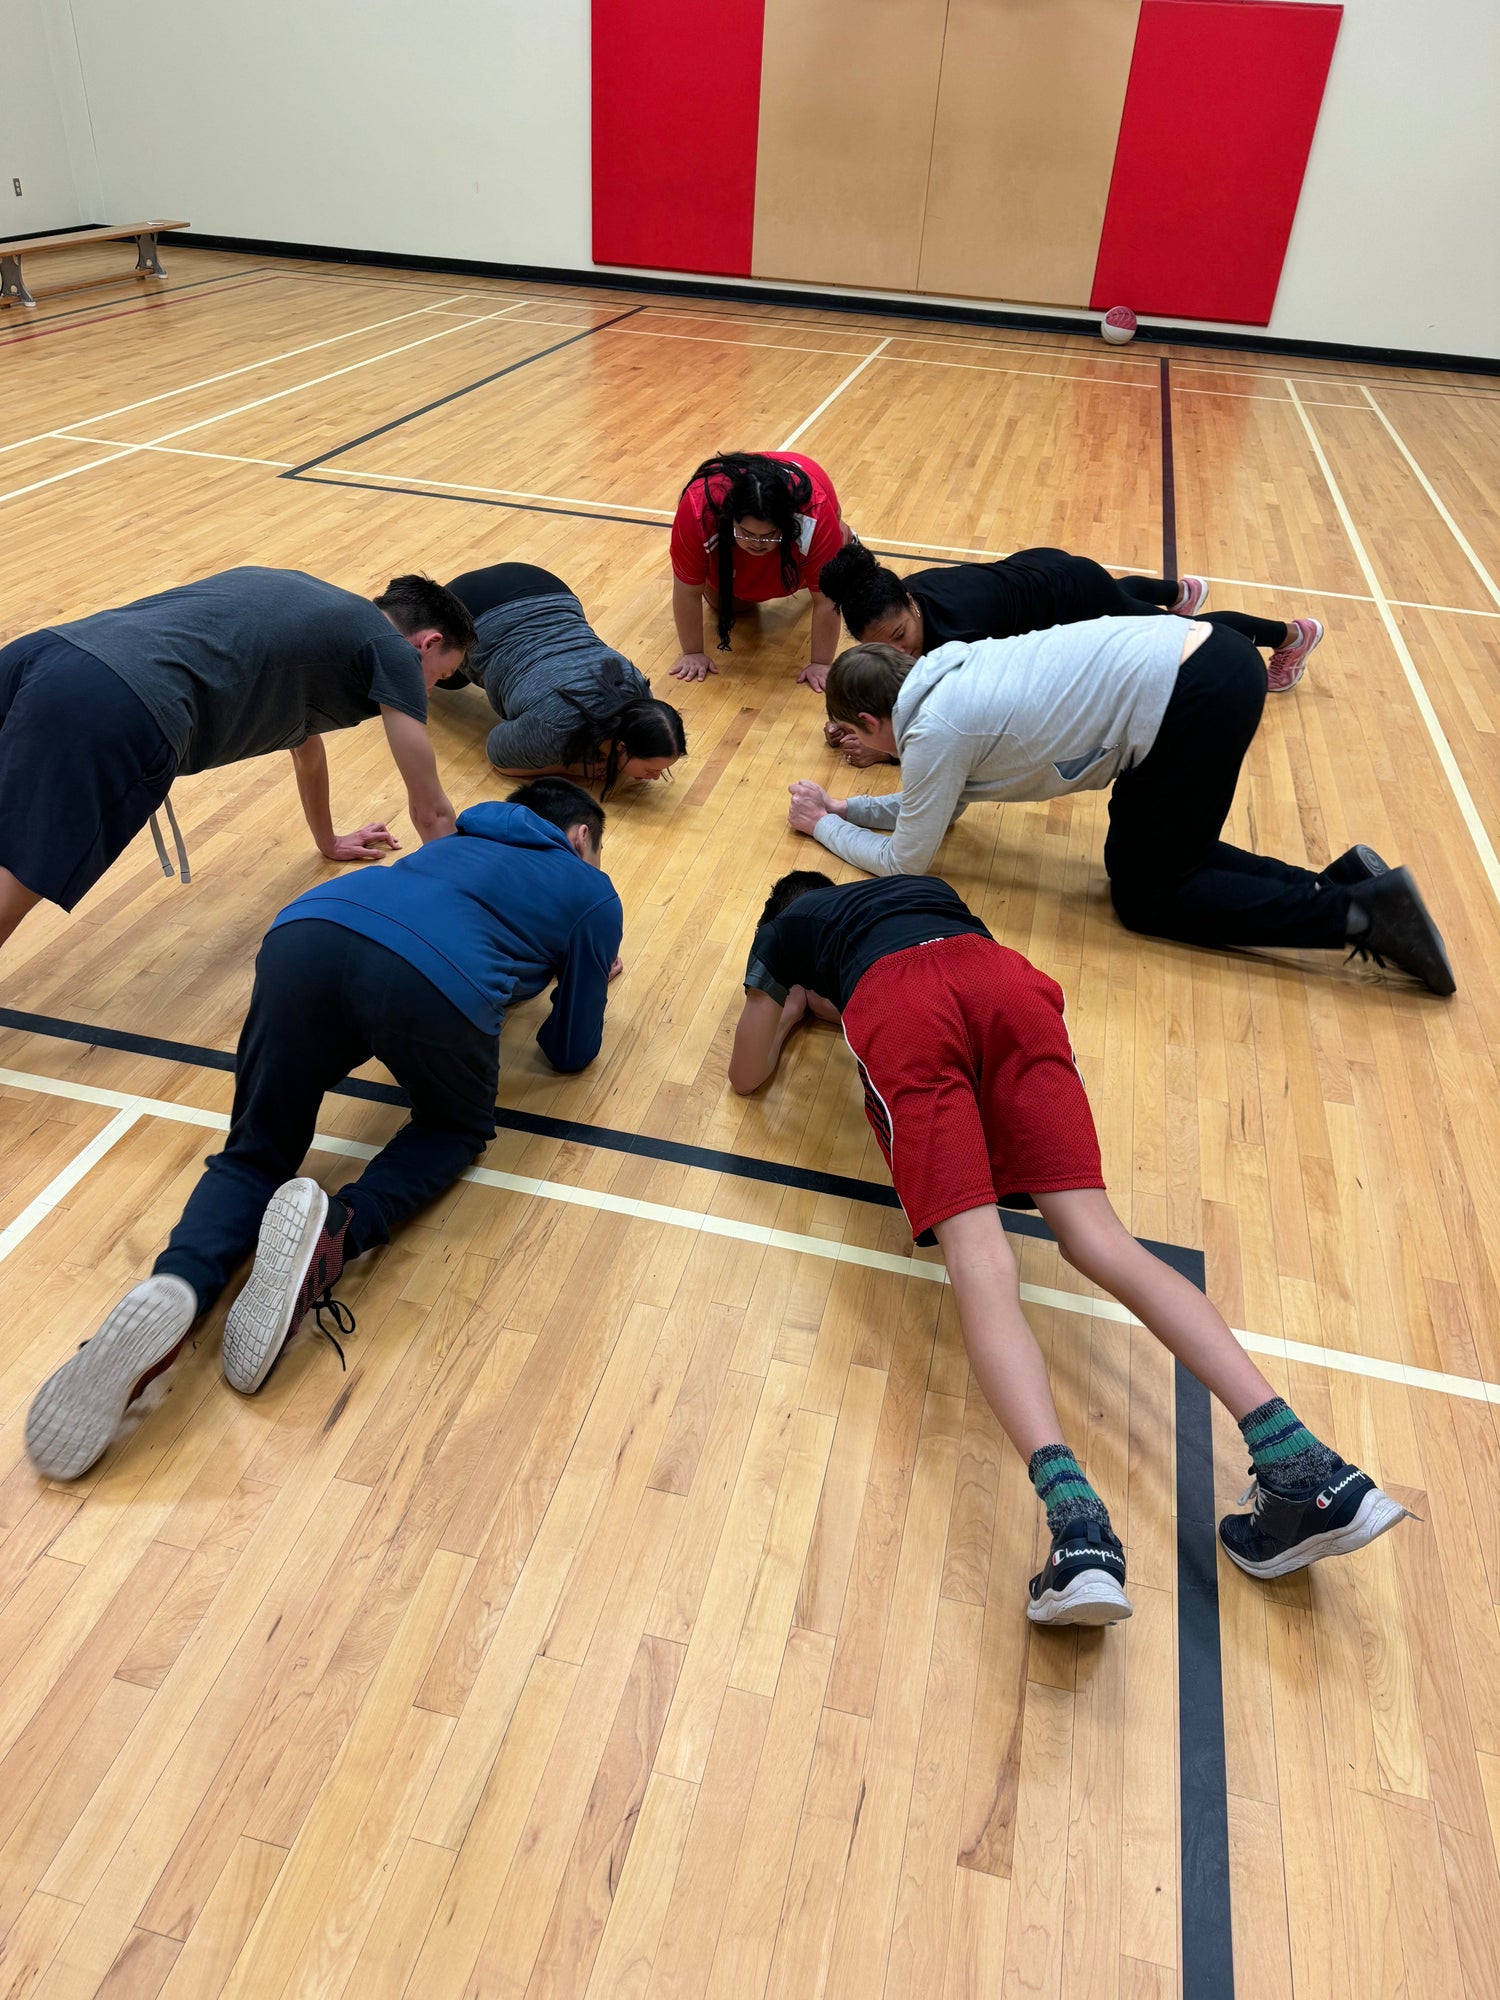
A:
254	660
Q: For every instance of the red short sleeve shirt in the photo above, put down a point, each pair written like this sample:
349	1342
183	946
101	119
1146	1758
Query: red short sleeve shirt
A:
757	578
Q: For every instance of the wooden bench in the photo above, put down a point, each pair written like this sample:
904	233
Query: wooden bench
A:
13	290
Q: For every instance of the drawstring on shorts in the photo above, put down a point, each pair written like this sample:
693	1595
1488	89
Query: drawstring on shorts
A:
161	845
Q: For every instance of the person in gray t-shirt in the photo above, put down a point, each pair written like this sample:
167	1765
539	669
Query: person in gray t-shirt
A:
568	704
98	716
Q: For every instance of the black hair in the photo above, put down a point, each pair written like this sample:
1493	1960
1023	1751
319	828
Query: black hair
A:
770	490
561	803
416	604
634	725
861	588
801	882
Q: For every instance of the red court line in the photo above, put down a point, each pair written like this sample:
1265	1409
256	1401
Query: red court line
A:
130	312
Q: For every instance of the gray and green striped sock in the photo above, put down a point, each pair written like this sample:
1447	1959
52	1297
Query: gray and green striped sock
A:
1063	1490
1283	1451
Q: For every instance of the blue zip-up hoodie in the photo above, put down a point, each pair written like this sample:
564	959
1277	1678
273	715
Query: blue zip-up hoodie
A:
489	914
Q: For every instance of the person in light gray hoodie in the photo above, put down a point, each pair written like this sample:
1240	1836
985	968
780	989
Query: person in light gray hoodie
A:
1159	712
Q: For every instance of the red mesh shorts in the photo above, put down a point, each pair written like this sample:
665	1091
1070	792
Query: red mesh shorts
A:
970	1082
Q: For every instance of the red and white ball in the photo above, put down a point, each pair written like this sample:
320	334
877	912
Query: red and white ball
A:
1118	325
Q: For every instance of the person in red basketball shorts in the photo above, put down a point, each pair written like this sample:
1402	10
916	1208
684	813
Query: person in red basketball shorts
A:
973	1093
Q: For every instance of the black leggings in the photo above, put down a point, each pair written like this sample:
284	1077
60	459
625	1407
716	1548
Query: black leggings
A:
480	590
1170	875
1139	596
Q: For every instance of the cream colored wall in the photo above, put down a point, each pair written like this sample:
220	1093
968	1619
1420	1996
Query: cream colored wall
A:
462	130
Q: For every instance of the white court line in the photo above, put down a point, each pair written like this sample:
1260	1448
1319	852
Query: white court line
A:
1484	846
130	1106
1348	596
259	402
41	1207
500	492
296	388
834	394
175	450
1433	495
207	381
72	472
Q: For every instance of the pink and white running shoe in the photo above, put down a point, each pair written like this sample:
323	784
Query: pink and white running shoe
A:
1192	595
1289	662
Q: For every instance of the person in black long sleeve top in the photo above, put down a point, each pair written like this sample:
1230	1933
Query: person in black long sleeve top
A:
1027	592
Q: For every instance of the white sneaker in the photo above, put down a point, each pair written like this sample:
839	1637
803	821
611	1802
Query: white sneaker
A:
75	1414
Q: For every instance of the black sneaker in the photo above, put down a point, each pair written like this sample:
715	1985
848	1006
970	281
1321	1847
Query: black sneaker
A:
1356	864
1401	930
298	1259
1287	1531
1083	1582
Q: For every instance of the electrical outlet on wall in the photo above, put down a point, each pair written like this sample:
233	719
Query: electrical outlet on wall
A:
16	183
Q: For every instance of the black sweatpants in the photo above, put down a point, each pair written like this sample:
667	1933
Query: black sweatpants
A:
325	1001
1170	875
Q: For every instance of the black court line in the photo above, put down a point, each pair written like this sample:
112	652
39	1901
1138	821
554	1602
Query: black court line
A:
453	396
586	514
1168	478
1207	1917
98	305
603	1138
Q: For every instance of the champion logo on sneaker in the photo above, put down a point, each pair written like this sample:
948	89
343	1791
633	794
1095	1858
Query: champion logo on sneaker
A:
1062	1555
1327	1497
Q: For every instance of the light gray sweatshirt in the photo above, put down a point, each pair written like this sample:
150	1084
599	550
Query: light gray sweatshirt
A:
1062	710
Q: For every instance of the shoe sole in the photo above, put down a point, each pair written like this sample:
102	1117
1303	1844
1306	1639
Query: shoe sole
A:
1091	1599
1282	687
260	1320
76	1412
1378	1514
1444	984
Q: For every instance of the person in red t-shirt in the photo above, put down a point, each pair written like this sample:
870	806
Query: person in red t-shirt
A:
751	526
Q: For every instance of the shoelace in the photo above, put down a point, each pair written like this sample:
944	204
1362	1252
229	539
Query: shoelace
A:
1252	1493
342	1318
1366	951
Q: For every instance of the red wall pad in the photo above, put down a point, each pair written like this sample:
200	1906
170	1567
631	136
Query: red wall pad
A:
676	118
1219	115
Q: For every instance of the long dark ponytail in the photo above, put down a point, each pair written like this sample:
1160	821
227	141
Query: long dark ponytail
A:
633	724
861	588
768	489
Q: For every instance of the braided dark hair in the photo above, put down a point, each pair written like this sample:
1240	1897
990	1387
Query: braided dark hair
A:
861	588
633	724
767	489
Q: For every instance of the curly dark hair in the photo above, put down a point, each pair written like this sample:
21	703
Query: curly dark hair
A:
861	588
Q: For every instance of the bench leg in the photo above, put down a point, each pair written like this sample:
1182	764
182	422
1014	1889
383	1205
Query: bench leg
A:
147	263
12	286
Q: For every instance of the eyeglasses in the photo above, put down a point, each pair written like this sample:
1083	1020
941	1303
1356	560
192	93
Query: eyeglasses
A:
755	541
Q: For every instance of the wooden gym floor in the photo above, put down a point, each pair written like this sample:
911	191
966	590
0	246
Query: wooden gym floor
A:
641	1614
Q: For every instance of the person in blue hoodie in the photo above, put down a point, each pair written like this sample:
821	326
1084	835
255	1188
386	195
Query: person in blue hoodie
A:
414	965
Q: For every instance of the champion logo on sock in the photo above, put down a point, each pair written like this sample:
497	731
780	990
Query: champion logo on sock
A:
1329	1494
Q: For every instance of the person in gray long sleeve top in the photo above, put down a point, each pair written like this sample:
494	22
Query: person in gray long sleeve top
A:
1159	712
